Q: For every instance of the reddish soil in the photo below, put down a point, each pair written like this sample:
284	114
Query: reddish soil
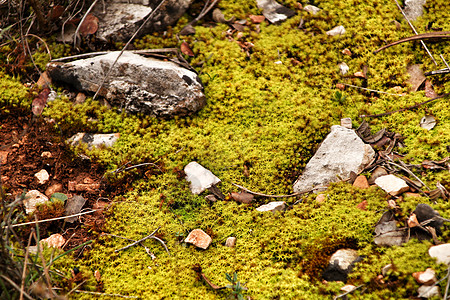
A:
23	140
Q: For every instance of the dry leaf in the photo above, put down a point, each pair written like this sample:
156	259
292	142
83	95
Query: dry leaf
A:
97	276
346	51
37	107
89	26
44	80
416	77
362	205
56	12
412	221
256	19
185	49
429	90
359	74
242	197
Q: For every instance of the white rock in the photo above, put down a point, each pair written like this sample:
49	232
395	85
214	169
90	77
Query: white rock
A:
427	277
348	288
272	206
199	177
55	240
392	184
386	269
340	153
94	140
312	9
426	291
347	123
230	242
343	67
414	9
344	258
199	238
32	198
338	30
441	253
42	176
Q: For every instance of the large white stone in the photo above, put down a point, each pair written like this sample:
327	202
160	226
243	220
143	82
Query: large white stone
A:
199	177
441	253
340	153
32	198
391	184
414	9
272	206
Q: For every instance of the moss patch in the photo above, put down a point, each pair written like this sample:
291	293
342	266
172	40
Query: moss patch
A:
267	118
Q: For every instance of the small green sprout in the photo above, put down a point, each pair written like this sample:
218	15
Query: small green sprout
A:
236	287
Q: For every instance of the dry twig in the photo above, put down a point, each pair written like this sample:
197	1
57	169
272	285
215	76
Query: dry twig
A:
406	108
151	236
272	196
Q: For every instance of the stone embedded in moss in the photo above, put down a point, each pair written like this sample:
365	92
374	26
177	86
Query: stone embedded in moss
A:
199	238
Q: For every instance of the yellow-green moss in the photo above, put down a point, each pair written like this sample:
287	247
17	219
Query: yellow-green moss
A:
269	118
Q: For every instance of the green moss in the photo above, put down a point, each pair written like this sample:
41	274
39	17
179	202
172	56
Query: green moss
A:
267	118
12	93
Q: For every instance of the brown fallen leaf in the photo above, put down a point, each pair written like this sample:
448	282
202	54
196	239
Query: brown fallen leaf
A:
256	19
362	205
89	26
44	80
185	49
429	90
38	104
242	197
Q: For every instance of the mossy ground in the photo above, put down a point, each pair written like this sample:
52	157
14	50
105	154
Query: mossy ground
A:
269	118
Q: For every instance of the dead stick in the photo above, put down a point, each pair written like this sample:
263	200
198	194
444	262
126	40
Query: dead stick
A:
415	32
272	196
424	36
405	108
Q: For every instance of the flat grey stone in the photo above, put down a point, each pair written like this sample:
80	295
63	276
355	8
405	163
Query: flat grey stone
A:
340	153
136	84
426	291
272	206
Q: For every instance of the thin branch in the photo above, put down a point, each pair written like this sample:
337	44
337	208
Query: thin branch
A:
92	54
445	62
272	196
371	90
151	236
405	108
106	294
125	47
204	11
415	32
49	220
448	284
16	286
409	172
423	36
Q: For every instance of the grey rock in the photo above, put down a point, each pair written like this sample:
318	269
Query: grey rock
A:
414	9
441	253
341	264
136	84
347	123
120	19
94	140
387	234
199	177
340	153
343	67
424	212
273	11
378	172
272	206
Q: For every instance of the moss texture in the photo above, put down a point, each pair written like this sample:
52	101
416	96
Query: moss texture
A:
268	118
